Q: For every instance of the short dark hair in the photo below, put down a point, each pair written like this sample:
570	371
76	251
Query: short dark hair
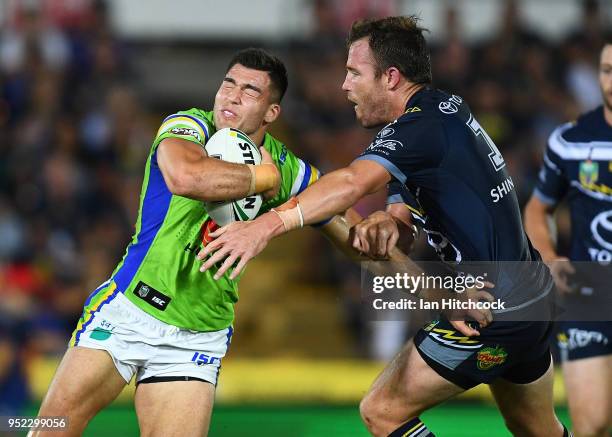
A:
396	42
259	59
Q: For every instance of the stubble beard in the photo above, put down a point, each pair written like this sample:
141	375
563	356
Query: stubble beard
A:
377	114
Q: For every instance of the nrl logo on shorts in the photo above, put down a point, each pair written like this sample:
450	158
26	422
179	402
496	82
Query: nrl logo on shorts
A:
490	357
143	291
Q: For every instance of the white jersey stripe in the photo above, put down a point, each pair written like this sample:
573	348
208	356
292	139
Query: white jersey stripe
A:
300	177
595	150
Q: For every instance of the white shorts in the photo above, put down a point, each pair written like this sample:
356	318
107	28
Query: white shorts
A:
142	345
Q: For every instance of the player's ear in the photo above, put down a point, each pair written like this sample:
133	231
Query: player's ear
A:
272	113
393	77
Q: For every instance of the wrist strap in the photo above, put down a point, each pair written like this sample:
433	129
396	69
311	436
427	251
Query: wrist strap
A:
290	214
263	177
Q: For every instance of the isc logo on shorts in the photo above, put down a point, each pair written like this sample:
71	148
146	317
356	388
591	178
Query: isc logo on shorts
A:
201	359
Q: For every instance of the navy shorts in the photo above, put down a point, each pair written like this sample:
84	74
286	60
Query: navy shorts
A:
519	352
577	340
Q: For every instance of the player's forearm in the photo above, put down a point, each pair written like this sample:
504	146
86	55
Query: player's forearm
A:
328	197
540	238
333	194
538	229
337	230
212	180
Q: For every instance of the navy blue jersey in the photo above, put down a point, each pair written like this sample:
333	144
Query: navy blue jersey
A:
578	164
452	176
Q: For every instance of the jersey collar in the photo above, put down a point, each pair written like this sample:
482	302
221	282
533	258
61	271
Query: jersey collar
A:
411	101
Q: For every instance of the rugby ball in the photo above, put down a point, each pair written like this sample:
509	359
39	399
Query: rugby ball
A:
235	146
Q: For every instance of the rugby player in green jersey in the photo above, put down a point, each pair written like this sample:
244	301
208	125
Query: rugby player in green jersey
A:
157	318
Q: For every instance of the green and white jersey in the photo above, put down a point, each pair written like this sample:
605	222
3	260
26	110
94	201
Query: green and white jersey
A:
159	272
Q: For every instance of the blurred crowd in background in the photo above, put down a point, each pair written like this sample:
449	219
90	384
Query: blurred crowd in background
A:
76	127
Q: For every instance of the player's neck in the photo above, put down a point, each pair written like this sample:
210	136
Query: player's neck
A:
258	137
411	90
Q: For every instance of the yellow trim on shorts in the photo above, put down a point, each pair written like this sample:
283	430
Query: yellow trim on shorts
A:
90	310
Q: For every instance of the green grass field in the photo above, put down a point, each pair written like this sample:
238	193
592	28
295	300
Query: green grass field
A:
451	420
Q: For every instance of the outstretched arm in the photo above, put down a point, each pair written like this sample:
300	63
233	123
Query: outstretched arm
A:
333	194
337	191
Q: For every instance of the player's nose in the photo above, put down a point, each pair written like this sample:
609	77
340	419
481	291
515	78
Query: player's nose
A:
233	95
345	84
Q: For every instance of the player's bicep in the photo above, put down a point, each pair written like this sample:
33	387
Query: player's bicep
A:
175	156
368	176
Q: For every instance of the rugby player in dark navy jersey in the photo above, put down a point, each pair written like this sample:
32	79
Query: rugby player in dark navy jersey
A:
434	154
578	165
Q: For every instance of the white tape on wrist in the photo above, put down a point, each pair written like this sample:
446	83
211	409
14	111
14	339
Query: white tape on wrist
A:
292	217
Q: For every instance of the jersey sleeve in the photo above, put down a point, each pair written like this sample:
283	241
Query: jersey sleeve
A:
398	193
552	183
407	146
296	175
185	125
